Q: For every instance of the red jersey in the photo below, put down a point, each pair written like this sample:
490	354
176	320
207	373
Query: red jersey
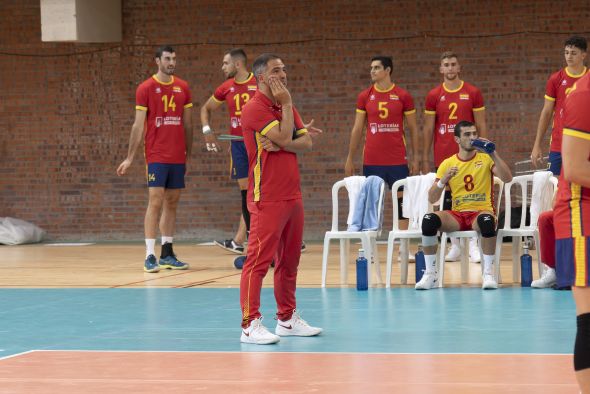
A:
165	104
558	86
385	143
272	176
235	94
449	107
572	209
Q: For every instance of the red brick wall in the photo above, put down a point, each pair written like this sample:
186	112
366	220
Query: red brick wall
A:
65	120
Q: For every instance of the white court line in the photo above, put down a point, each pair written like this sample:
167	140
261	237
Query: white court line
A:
71	244
206	244
16	354
271	352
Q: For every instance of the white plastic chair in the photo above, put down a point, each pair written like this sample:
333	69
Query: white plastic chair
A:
368	240
525	183
413	232
464	236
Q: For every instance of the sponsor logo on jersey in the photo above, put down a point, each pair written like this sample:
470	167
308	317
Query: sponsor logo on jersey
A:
158	121
158	90
176	89
463	97
235	122
232	89
442	98
373	127
442	129
564	82
372	97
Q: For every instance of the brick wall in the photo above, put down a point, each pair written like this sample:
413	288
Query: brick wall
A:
67	108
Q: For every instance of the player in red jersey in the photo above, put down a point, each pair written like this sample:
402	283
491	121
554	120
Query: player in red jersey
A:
558	85
572	219
447	104
274	134
382	110
163	121
236	91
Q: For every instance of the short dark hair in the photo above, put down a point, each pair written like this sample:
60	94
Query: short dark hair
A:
578	42
260	63
460	126
237	54
386	61
448	55
162	49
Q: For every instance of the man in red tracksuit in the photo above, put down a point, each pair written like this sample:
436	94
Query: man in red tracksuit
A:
273	134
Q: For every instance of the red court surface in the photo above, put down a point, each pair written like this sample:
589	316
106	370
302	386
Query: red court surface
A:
256	372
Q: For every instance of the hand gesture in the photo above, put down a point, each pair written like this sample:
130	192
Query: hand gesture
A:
122	169
312	131
279	90
451	172
268	145
537	157
211	143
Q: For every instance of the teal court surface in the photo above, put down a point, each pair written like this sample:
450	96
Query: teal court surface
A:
386	340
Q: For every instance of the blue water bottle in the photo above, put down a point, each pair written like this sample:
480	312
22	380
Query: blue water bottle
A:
420	264
526	267
483	145
362	282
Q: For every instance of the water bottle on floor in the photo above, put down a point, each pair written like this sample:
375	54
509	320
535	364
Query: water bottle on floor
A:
362	282
526	267
420	264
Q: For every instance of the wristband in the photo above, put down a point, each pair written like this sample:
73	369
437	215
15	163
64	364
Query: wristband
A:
440	185
207	130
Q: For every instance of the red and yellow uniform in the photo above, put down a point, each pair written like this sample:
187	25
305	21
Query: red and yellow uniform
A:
572	209
236	95
449	107
472	187
165	103
558	86
385	143
276	212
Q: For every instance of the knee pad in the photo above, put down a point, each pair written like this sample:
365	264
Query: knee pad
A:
582	346
487	225
430	224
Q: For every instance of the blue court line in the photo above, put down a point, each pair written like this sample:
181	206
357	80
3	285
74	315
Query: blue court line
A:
453	320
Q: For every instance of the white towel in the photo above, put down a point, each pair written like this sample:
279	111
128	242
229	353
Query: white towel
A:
416	198
542	195
353	184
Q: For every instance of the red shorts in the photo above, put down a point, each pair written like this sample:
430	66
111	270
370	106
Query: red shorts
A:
465	219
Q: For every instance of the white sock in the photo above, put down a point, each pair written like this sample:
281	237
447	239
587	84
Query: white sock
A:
150	246
488	264
430	262
166	239
456	241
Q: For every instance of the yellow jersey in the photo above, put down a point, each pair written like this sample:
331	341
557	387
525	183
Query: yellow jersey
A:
472	188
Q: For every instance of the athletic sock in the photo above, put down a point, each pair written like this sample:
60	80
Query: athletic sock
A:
430	262
488	264
150	246
166	239
166	250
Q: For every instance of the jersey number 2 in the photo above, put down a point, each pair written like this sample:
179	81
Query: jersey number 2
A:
453	108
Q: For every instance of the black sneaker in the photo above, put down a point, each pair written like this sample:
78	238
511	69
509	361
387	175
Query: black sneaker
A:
230	245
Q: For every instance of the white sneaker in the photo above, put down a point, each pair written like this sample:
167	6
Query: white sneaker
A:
258	334
488	282
474	255
296	326
547	280
454	253
428	281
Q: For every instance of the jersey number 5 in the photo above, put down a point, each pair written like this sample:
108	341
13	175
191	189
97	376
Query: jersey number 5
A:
245	97
383	111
